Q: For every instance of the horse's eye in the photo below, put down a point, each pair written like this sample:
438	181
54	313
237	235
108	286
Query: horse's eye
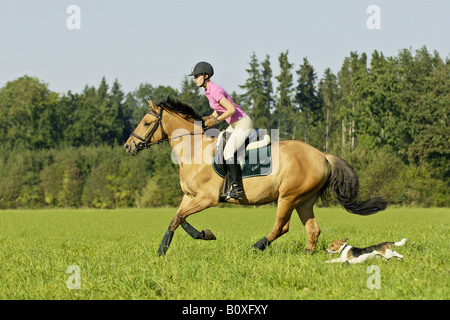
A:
146	124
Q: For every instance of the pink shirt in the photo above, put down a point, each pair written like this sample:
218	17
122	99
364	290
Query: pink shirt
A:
214	93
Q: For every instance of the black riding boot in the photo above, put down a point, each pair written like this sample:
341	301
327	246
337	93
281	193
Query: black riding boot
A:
234	172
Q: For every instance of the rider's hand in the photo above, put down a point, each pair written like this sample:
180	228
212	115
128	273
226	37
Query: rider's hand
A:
207	117
210	122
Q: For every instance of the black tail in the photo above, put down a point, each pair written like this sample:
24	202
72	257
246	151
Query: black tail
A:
344	184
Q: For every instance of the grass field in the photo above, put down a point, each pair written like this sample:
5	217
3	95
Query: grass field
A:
115	252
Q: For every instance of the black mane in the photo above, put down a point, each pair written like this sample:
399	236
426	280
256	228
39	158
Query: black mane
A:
180	108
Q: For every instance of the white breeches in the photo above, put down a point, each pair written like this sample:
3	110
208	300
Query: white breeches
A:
240	130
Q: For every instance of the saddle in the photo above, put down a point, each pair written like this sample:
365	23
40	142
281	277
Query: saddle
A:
254	156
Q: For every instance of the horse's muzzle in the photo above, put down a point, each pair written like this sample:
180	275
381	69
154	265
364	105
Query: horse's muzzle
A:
130	149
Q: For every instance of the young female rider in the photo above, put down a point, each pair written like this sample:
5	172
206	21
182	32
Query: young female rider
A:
240	124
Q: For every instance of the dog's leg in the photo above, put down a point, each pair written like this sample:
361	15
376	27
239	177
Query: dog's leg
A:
377	253
335	260
388	254
397	255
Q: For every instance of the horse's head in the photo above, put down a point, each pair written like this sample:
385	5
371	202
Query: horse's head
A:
147	133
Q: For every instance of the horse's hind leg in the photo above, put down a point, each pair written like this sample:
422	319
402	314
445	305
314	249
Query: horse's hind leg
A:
281	226
306	213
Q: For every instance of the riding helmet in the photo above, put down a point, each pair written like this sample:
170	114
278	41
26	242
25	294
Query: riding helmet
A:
202	68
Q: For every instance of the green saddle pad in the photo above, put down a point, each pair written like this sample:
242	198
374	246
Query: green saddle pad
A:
258	162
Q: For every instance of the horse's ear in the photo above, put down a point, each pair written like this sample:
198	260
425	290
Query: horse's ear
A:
150	103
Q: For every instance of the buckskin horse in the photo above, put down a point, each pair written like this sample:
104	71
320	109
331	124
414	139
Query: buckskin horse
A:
303	175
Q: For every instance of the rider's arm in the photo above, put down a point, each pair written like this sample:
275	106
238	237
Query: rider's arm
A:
224	102
211	116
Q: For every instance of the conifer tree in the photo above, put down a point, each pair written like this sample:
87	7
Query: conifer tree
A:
328	95
352	69
251	99
267	120
306	97
285	112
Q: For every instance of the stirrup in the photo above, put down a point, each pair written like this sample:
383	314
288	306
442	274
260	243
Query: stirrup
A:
236	192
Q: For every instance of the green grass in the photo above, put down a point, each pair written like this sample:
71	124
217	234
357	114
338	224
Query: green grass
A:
116	253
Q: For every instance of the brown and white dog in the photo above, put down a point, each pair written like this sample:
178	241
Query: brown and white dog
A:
358	255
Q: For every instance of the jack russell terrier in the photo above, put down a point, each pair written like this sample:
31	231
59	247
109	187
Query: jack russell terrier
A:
358	255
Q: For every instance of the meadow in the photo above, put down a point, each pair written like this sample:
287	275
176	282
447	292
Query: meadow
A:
115	253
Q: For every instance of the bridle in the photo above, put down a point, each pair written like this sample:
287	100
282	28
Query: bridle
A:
145	142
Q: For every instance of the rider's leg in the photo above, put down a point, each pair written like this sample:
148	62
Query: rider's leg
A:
233	169
241	130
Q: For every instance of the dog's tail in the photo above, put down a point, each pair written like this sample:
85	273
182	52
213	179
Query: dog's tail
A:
400	243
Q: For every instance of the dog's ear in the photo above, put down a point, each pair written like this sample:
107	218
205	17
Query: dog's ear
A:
344	240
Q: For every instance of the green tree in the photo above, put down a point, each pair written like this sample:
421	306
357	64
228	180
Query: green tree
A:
108	127
327	96
254	98
163	187
136	101
267	121
61	181
285	112
428	113
253	87
307	101
28	113
98	116
375	95
116	100
82	130
353	69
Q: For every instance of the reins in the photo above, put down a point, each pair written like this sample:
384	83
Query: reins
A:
145	142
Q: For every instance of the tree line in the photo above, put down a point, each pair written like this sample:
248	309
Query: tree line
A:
387	116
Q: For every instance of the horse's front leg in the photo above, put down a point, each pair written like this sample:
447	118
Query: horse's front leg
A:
189	205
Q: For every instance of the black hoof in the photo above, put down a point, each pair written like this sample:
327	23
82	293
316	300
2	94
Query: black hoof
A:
208	235
261	244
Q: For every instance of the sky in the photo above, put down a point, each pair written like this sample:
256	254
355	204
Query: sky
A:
158	42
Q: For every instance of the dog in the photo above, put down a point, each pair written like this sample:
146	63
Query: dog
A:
358	255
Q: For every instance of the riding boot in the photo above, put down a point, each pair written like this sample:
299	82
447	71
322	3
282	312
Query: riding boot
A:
234	173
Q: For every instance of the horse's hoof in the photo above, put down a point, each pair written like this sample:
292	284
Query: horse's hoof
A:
309	251
208	235
262	244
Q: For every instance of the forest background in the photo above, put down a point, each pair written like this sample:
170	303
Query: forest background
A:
386	116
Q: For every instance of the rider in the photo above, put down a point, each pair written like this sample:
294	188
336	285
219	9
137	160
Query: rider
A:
240	124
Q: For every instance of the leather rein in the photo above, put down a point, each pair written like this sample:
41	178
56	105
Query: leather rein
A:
145	142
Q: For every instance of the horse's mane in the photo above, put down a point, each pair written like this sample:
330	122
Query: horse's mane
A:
180	108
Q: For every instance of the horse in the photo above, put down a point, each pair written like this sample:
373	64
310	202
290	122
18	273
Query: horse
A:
303	175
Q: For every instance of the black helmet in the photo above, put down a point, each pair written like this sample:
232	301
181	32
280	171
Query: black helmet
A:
202	68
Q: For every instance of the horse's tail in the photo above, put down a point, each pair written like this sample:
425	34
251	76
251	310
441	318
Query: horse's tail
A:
344	184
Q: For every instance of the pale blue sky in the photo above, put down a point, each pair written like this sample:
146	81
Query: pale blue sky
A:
158	42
